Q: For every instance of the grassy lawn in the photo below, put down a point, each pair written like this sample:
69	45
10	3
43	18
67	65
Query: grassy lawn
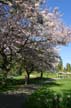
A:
42	92
35	75
61	86
55	94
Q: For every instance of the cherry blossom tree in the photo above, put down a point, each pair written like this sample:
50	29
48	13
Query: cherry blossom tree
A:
24	26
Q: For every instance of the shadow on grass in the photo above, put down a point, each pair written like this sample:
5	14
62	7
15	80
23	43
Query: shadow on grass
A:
11	84
17	100
44	82
67	93
45	98
15	84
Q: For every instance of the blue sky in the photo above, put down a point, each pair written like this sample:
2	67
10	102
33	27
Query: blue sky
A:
64	7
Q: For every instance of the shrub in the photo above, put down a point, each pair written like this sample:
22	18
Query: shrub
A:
45	98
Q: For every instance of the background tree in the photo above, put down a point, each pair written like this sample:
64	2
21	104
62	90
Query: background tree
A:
60	67
68	67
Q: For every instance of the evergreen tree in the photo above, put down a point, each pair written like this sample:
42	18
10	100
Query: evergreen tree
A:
60	67
68	67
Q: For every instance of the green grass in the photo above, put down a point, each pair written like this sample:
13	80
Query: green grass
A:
61	86
56	94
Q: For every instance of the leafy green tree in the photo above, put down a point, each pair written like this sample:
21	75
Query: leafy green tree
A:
60	67
68	67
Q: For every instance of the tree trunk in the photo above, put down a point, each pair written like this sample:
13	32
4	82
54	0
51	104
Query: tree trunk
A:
27	78
41	76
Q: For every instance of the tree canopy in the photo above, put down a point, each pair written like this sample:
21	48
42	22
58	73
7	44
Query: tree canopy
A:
24	28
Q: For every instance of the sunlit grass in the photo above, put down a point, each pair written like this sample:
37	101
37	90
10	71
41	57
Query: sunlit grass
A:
61	86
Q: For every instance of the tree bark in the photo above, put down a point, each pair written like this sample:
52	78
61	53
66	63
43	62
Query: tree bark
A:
41	75
27	78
